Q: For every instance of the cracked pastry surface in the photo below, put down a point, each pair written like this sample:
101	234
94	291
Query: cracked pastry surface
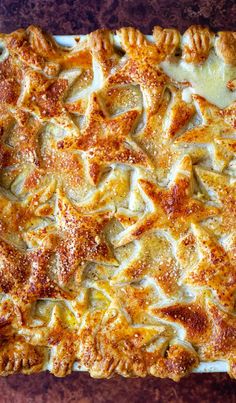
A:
117	202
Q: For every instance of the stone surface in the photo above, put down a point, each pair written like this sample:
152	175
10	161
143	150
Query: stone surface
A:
80	388
73	17
80	17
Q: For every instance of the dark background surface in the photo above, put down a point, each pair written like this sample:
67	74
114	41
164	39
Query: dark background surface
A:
80	17
83	16
80	388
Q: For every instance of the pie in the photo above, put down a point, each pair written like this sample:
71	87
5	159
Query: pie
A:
118	202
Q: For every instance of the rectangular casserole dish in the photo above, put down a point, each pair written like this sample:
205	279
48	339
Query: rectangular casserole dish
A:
209	64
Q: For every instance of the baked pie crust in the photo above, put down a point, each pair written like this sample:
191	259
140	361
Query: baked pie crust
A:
118	202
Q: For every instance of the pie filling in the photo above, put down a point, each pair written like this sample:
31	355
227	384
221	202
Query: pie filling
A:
118	202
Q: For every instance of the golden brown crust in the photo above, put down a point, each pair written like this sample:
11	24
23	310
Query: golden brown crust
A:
151	80
192	317
117	203
108	138
198	42
214	269
173	209
178	363
180	114
22	358
100	43
222	336
216	130
231	85
167	41
226	47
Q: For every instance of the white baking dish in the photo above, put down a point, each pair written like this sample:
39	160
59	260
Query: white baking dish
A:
215	366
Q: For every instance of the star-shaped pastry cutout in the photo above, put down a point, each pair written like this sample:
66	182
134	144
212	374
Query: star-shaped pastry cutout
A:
40	283
136	299
191	316
110	193
153	258
82	239
173	209
33	211
50	167
152	81
221	188
160	129
106	140
61	333
25	275
140	68
58	165
44	96
214	268
22	144
132	299
215	132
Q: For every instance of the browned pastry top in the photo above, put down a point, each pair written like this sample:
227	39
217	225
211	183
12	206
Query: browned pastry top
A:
117	202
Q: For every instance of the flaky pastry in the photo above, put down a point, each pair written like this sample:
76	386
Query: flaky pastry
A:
117	202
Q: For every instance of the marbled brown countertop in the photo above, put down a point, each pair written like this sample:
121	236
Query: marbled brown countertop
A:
80	388
80	17
73	17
